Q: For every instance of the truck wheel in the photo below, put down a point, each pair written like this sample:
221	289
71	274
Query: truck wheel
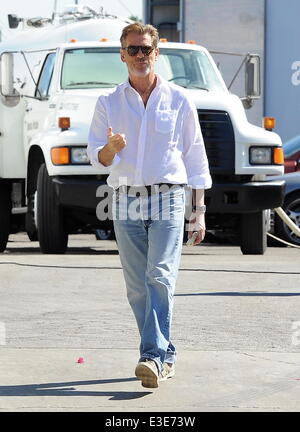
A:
5	212
29	220
104	234
254	233
292	208
52	234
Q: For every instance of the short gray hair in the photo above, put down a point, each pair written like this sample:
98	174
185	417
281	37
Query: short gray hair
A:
141	29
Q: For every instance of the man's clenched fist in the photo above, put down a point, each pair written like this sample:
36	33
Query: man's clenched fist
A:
116	142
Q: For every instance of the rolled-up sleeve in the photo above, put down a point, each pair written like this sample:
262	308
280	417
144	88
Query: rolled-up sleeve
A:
97	137
194	153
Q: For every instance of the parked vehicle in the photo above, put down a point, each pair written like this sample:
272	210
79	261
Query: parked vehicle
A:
291	151
291	206
45	125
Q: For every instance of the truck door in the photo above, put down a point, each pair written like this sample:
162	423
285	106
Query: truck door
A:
38	111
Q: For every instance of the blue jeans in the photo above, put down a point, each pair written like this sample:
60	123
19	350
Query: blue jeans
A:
149	233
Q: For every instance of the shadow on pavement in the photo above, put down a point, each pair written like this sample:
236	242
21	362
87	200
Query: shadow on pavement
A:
70	251
68	389
242	294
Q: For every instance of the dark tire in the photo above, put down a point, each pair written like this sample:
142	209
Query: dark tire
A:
53	236
253	233
5	213
29	220
292	208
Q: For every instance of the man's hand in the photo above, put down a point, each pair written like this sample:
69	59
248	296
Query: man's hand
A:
196	227
115	143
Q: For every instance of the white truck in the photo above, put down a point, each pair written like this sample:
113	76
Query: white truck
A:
45	117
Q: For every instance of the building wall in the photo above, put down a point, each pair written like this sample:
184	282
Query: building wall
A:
282	72
232	26
237	25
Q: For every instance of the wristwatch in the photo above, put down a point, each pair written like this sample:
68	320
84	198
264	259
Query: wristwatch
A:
201	209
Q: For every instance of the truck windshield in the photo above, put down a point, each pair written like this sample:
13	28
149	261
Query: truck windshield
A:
101	67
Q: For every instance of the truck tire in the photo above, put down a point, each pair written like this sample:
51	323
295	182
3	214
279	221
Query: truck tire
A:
53	237
5	212
291	206
29	219
253	233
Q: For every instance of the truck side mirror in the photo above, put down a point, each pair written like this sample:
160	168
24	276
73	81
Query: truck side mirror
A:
252	76
252	80
7	74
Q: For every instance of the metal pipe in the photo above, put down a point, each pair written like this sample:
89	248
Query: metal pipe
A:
288	221
54	10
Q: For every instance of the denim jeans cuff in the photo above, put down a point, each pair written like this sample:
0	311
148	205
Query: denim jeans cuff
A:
170	357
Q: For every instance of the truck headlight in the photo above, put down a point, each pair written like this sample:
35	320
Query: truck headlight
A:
79	155
69	156
260	155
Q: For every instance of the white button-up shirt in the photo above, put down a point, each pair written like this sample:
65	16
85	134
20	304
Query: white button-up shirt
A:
164	143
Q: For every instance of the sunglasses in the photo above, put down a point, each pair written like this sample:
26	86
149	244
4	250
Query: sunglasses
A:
134	49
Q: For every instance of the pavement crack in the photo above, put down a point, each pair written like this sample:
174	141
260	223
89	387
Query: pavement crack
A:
268	359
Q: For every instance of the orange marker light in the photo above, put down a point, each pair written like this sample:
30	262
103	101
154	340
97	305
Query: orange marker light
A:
60	155
278	156
163	40
269	122
191	42
64	123
103	40
73	40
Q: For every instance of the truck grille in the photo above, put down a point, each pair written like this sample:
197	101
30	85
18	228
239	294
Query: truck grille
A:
219	141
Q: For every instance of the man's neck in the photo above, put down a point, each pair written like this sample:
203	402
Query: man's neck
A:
145	85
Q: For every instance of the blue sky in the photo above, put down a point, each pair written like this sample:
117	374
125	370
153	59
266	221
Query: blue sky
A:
44	8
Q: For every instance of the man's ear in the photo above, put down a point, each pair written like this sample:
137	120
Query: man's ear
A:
156	53
122	55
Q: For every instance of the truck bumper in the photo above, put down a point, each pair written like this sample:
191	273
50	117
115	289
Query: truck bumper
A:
244	197
84	193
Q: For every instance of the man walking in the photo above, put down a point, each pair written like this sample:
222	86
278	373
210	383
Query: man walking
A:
147	130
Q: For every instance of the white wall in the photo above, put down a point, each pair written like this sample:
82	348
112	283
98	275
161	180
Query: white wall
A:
229	25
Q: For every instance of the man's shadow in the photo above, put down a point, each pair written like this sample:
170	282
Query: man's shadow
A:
69	389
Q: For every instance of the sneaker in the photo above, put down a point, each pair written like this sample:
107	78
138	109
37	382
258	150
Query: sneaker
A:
168	371
147	372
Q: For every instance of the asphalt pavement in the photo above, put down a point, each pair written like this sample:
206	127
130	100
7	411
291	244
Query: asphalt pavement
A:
68	340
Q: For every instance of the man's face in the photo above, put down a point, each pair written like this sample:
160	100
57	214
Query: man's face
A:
139	65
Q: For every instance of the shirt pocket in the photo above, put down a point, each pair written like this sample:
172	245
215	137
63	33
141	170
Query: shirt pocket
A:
165	120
